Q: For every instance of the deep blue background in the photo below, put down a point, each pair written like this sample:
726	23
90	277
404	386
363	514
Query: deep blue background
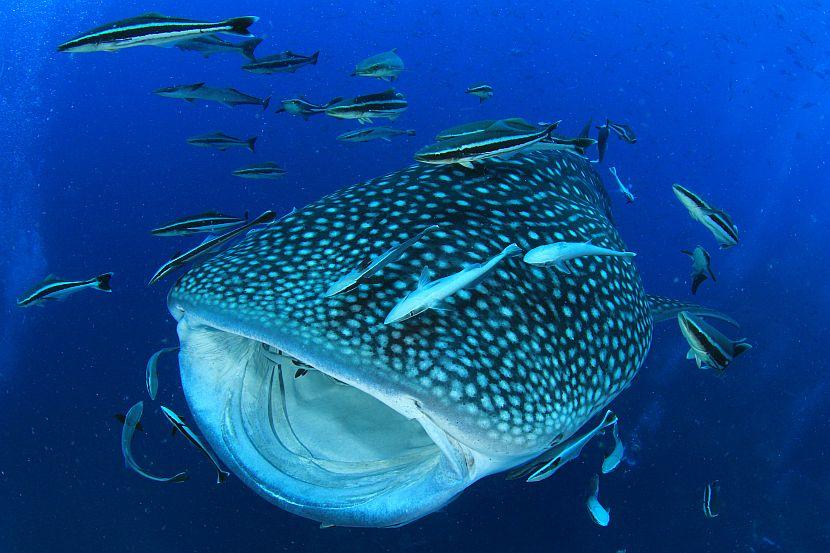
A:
729	99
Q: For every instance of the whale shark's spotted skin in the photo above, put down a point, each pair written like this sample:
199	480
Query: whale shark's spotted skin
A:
524	359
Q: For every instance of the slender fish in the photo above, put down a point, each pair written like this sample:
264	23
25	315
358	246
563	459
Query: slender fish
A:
53	288
285	62
131	422
152	29
209	222
221	141
708	346
711	499
350	280
623	131
230	97
304	108
151	377
559	253
428	295
264	170
701	267
600	514
629	195
616	456
388	104
207	246
180	426
373	133
482	91
717	221
385	66
211	44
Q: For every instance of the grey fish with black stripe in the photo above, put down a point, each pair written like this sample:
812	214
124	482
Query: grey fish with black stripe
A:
152	29
717	221
482	91
367	134
302	107
181	427
709	347
52	288
499	139
423	409
285	62
209	222
229	97
623	131
221	141
212	44
264	170
386	105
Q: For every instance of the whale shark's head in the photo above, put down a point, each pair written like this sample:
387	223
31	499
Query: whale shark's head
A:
324	410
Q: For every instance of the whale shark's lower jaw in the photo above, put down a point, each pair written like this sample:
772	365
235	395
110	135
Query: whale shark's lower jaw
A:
331	448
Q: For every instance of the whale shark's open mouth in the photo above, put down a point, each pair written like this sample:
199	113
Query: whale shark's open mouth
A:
338	452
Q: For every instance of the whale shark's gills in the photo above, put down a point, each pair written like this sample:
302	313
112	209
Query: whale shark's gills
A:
391	422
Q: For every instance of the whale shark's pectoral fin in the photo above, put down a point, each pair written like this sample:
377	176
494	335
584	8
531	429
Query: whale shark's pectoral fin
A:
664	309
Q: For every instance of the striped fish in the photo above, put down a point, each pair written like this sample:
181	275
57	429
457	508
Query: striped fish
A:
480	126
209	222
710	348
374	133
717	221
132	420
286	62
53	288
152	29
264	170
498	140
221	141
207	246
711	499
180	426
623	131
301	106
482	91
230	97
388	105
211	44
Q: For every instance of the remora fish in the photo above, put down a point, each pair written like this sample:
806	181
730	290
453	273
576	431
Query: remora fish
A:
600	514
718	222
209	222
151	29
388	104
221	141
481	91
561	453
199	91
701	266
52	288
498	140
623	131
264	170
208	246
373	133
559	253
385	66
629	195
453	395
430	294
708	346
711	499
180	426
365	270
131	422
602	141
615	457
211	44
151	377
285	62
304	108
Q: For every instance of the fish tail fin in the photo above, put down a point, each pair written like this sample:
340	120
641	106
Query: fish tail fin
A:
239	25
586	130
221	476
741	347
698	280
314	57
249	46
252	143
103	282
512	251
265	103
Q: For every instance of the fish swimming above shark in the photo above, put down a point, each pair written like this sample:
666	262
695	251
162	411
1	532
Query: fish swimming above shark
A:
211	44
423	409
386	66
559	254
229	97
701	267
285	62
717	221
152	29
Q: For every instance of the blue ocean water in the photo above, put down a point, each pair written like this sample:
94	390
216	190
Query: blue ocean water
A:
729	99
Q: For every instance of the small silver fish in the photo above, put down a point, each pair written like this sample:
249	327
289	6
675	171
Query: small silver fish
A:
230	97
265	170
558	253
285	62
600	514
385	66
53	288
151	378
711	499
429	294
180	426
629	195
701	266
211	44
615	457
221	141
131	421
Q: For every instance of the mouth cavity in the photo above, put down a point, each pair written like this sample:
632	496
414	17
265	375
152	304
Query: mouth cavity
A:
318	444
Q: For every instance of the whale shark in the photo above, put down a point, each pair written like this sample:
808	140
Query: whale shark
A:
389	423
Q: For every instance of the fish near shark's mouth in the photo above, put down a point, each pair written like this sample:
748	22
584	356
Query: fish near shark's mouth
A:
306	433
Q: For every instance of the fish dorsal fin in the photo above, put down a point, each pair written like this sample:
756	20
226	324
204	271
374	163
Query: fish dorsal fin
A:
423	280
